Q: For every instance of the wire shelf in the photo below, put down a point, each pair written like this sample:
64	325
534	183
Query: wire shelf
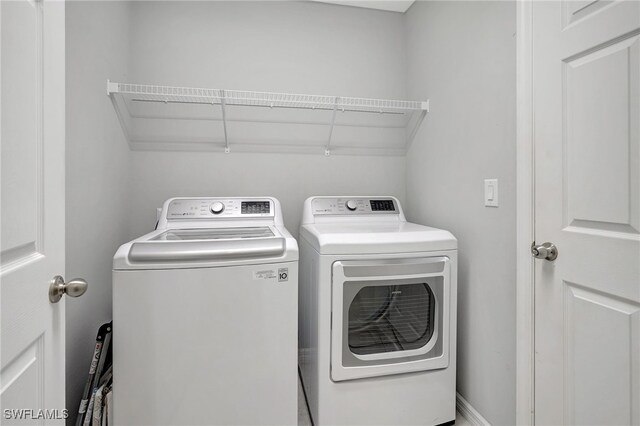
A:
141	93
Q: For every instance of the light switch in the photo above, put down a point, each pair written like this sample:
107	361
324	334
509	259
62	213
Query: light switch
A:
491	192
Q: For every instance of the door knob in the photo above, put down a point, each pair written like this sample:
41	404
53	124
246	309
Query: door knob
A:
74	288
546	251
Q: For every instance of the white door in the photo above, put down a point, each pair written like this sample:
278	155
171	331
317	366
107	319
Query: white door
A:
587	202
32	209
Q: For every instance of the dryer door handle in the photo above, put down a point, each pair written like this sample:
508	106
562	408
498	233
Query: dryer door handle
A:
191	251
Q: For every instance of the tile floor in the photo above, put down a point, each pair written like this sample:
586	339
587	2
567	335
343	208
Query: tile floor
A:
305	420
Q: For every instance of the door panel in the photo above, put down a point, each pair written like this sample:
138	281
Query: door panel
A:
32	206
601	121
21	129
577	10
21	380
587	187
600	331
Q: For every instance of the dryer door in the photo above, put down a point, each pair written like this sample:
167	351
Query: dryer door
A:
389	316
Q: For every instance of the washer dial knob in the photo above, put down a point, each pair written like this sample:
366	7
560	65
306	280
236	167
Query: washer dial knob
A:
217	207
351	205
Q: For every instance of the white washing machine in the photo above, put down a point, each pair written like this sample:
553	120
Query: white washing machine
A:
205	317
377	314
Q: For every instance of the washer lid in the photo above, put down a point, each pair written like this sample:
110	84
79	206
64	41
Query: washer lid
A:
206	247
372	238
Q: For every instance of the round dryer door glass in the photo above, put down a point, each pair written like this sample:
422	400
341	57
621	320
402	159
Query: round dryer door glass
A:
391	318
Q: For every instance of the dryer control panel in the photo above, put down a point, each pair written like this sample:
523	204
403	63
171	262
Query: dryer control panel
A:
353	206
212	208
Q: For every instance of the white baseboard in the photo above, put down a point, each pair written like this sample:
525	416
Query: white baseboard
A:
470	413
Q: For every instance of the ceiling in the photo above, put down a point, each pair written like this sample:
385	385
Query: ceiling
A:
388	5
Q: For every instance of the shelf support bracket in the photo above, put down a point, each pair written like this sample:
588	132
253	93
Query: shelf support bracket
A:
112	90
411	136
223	104
327	149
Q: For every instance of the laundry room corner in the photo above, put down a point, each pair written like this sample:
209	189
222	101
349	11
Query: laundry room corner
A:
97	174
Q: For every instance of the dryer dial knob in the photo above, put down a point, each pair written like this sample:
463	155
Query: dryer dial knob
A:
217	207
351	205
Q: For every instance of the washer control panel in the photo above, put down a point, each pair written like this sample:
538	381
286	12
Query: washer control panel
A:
203	208
351	206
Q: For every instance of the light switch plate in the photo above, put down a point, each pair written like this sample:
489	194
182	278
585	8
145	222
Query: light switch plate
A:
491	192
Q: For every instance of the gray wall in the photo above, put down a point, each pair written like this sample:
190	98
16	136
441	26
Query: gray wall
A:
297	47
97	169
157	176
462	57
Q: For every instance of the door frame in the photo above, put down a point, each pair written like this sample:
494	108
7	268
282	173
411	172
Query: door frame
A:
525	210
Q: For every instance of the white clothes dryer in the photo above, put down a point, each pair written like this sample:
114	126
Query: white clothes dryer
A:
377	314
204	316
